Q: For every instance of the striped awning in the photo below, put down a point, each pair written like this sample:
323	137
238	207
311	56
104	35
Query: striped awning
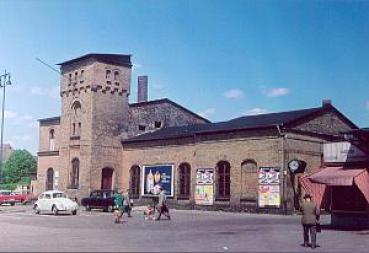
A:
336	176
318	184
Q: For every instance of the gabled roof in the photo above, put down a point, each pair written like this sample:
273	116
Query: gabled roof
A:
168	101
260	121
116	59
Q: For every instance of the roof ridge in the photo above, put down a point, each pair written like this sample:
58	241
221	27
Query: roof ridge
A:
274	113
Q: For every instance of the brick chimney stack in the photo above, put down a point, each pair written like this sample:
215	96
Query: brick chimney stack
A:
142	89
326	103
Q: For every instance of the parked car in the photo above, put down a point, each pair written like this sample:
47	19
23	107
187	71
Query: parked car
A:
55	202
9	197
99	199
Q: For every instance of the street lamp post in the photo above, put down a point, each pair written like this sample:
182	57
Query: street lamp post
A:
4	81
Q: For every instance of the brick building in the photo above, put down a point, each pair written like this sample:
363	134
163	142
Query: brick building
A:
102	141
81	150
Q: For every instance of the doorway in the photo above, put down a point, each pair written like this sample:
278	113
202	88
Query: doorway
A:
107	178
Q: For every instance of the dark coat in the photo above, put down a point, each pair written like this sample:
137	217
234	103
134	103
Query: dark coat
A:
310	214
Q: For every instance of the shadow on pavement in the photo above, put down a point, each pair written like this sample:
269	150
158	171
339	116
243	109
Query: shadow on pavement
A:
340	228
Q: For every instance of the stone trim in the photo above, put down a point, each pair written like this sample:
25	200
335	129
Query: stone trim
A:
48	153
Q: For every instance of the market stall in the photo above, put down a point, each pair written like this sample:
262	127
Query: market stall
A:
344	191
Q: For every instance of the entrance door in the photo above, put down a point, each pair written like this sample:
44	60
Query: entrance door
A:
107	179
49	179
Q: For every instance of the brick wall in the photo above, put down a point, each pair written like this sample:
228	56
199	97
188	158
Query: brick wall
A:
164	113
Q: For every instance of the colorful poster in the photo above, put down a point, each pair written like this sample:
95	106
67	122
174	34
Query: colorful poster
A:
156	176
269	195
269	175
205	176
204	194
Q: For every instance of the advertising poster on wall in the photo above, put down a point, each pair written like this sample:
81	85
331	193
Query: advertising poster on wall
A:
269	175
268	192
204	192
269	195
205	176
156	176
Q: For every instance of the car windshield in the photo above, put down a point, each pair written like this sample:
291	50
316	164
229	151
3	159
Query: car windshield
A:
59	195
5	193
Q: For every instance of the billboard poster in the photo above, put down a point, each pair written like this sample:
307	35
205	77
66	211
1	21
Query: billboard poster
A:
205	176
204	192
156	176
269	195
269	175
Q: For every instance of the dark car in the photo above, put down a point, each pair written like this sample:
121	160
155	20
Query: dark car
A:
99	199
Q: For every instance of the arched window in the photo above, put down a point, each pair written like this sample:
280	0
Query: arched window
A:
224	180
74	174
50	179
184	181
134	183
51	140
76	107
76	118
116	75
108	74
249	180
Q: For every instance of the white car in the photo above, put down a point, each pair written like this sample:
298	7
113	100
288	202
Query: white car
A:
55	202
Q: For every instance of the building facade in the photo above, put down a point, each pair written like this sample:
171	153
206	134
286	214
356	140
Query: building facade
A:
81	150
100	141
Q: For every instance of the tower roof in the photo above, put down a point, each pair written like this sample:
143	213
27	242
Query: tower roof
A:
117	59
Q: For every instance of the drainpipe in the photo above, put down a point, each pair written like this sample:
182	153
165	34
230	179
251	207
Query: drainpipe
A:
193	187
284	173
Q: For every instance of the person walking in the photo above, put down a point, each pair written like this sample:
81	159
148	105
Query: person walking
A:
127	207
309	220
118	206
162	204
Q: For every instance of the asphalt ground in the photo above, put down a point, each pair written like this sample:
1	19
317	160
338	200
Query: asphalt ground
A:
188	231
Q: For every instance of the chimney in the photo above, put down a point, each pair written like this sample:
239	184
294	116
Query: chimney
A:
326	103
142	89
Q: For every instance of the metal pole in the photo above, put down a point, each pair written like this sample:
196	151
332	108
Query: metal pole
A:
5	82
2	128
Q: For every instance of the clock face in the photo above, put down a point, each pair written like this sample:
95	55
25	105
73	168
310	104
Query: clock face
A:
294	165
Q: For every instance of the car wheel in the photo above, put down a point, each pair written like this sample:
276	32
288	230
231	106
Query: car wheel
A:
74	212
36	209
54	210
110	209
88	208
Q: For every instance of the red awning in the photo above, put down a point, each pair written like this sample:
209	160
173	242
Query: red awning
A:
336	176
317	184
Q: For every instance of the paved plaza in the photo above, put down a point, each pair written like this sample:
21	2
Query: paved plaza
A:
196	231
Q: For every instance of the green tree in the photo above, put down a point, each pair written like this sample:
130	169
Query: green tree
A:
19	167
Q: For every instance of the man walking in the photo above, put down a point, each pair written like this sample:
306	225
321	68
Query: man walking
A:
127	203
162	205
310	217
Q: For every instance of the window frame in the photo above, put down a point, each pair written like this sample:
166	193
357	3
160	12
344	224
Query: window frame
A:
184	181
223	191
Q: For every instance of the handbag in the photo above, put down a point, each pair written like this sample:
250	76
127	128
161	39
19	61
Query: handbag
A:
318	227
